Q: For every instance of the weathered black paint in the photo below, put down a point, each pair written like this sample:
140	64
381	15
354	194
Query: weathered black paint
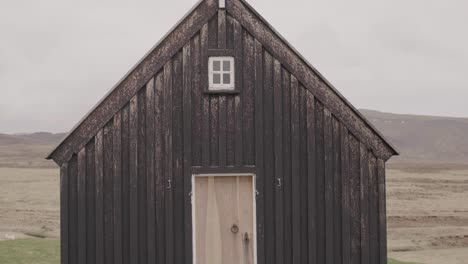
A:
125	195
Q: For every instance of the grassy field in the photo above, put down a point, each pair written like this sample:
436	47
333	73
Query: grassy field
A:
392	261
42	251
30	251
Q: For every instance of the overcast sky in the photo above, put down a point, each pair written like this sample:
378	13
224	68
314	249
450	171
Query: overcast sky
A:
58	58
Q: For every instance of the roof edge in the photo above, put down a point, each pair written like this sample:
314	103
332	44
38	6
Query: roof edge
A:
328	83
128	74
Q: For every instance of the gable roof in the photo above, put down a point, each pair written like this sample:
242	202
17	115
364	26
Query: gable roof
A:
174	40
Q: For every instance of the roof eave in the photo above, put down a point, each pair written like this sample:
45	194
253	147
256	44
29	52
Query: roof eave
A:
333	88
156	46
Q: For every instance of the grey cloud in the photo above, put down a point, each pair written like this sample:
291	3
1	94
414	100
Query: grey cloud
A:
58	58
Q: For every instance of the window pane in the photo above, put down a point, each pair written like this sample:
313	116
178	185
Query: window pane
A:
226	78
216	78
216	65
226	65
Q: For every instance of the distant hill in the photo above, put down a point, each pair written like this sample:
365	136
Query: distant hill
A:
418	138
27	150
428	138
41	138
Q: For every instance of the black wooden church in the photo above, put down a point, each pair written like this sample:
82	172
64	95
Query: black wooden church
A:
223	145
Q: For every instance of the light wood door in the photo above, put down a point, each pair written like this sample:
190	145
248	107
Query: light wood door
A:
224	220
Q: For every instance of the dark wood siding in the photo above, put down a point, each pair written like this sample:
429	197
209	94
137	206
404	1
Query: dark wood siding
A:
321	192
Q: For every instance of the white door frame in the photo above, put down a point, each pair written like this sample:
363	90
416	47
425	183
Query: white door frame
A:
253	176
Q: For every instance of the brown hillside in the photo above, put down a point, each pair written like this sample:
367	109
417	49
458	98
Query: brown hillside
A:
424	137
27	150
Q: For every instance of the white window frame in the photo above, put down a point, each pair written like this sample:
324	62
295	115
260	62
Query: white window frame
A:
211	72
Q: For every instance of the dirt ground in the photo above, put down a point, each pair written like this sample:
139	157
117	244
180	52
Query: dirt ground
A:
29	203
427	209
428	214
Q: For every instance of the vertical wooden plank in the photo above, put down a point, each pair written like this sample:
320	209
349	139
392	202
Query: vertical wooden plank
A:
230	131
196	99
73	210
215	42
90	204
382	212
229	32
159	170
244	191
108	195
222	99
64	217
205	127
329	204
117	167
337	214
269	170
238	107
81	189
345	175
230	100
248	96
364	204
320	174
213	32
222	150
125	147
295	171
355	211
150	181
203	188
278	152
133	179
286	89
222	29
168	169
260	182
178	152
214	130
303	181
187	128
99	165
141	181
373	210
301	177
311	176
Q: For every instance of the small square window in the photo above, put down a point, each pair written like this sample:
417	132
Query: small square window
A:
216	65
226	65
226	78
216	78
221	73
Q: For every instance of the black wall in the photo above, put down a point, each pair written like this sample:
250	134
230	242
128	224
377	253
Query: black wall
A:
126	195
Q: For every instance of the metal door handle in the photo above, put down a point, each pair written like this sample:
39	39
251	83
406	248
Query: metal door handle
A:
246	237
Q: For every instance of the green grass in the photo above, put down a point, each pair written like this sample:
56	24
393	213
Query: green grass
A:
30	251
392	261
44	251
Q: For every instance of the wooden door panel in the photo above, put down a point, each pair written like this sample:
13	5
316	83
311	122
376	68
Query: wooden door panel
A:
224	220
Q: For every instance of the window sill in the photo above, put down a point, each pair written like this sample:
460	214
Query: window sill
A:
234	92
